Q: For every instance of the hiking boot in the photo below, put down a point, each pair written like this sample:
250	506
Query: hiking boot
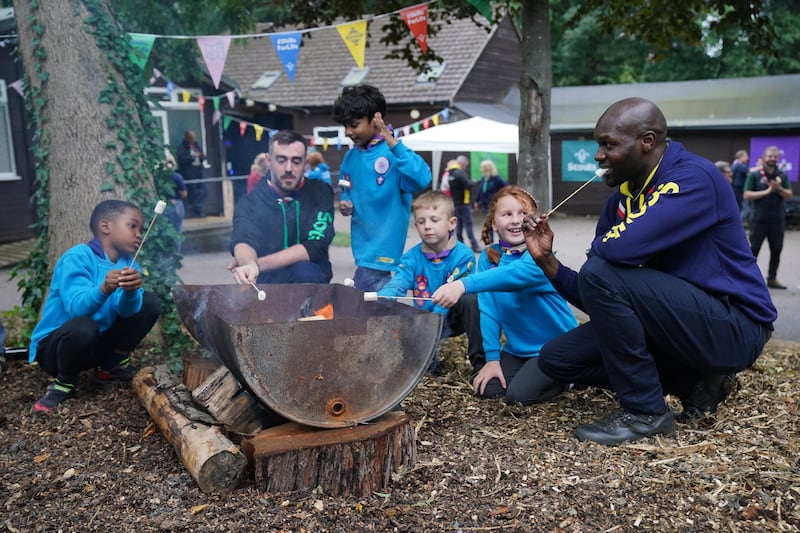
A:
55	394
622	426
773	283
119	373
706	395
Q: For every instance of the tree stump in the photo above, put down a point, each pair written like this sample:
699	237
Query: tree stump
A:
215	463
344	461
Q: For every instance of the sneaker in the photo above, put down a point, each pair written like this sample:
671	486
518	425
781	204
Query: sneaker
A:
56	393
706	395
118	373
622	426
773	283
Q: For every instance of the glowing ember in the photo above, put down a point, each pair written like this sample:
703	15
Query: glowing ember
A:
326	312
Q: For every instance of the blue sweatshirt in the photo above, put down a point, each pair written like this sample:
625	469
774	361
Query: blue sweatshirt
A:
686	224
423	276
517	299
382	182
75	291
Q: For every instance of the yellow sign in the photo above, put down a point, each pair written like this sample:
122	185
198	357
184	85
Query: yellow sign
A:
354	35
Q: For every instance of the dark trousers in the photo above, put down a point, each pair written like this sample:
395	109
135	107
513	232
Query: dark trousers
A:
79	345
197	193
465	317
526	382
464	222
773	232
370	279
302	272
650	334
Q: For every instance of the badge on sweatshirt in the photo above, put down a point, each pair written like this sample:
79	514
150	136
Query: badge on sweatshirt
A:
380	180
381	165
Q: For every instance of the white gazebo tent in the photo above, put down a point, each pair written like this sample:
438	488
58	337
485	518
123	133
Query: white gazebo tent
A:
473	134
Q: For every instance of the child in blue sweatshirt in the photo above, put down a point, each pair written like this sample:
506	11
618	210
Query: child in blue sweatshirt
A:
528	311
439	259
96	311
377	178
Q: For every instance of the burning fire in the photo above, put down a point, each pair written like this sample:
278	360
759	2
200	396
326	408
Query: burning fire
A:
325	312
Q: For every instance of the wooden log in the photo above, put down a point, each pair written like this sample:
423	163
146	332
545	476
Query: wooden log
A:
232	406
197	369
215	463
343	461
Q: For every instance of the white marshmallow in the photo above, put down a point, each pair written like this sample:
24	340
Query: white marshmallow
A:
600	172
160	206
262	296
348	282
370	296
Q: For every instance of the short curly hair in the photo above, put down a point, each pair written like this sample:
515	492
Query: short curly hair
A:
358	101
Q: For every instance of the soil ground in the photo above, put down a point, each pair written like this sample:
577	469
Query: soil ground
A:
96	465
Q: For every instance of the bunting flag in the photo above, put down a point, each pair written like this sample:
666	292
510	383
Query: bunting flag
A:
231	98
259	131
17	86
416	18
141	45
185	96
201	101
287	45
426	124
325	144
215	99
354	35
484	7
436	119
156	74
446	114
215	116
226	121
215	50
170	88
242	128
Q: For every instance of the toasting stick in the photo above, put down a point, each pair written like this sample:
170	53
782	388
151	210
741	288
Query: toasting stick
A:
373	297
599	173
261	294
158	210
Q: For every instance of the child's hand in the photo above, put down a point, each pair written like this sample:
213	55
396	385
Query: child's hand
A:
346	207
448	294
383	130
490	370
129	279
111	282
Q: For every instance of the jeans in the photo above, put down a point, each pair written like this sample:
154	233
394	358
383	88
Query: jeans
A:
464	222
650	334
371	280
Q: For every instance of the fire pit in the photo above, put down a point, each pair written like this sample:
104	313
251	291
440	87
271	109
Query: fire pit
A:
336	372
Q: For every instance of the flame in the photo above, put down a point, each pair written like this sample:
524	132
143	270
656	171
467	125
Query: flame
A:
325	312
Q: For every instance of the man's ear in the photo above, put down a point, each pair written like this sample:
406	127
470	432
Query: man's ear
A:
648	140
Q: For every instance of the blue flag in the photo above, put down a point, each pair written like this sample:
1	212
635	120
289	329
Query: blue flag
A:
287	45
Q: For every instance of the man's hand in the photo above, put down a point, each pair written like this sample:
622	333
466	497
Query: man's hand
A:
245	273
346	207
490	370
539	241
448	294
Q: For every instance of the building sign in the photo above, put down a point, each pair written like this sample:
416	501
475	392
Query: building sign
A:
577	160
789	153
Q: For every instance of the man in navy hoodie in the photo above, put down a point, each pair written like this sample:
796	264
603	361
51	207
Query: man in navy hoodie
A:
676	300
282	229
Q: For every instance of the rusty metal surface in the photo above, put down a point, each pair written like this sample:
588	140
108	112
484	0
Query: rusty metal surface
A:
326	373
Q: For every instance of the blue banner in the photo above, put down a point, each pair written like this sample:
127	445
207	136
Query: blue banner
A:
577	160
287	45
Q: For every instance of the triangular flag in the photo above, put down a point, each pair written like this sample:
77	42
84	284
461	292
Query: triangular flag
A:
231	98
426	124
215	99
17	86
445	114
484	7
325	144
287	45
416	18
215	116
338	143
214	49
226	121
406	130
259	131
354	35
141	44
242	128
201	100
170	88
416	127
436	119
185	96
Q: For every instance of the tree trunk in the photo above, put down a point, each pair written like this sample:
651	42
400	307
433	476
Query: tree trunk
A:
535	86
74	121
214	462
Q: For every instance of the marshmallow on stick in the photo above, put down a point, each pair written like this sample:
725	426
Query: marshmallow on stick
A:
261	294
599	173
348	282
157	210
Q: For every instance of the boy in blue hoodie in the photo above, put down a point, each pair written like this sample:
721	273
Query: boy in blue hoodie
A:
96	311
440	258
377	178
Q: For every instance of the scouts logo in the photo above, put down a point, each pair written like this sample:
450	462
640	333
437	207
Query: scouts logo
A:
381	165
380	180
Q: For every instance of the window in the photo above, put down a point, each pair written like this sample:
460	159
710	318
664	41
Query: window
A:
266	80
434	72
355	76
8	170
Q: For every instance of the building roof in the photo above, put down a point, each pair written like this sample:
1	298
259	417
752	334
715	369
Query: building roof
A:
757	102
324	61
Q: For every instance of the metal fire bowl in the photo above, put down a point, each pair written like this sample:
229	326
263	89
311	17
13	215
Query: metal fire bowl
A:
325	373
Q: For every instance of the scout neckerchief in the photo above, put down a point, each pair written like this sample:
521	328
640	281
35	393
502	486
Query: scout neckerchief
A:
436	257
508	249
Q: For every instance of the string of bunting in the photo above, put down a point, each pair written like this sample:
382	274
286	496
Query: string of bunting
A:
214	48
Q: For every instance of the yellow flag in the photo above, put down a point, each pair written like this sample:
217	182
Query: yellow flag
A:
259	131
185	95
354	35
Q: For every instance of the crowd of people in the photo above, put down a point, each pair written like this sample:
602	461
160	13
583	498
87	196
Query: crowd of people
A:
675	300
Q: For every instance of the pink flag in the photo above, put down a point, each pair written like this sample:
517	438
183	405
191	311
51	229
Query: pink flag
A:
416	18
17	86
231	98
214	49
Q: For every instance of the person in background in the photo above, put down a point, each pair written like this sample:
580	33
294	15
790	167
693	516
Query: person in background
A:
175	211
382	174
444	185
96	311
258	170
676	302
490	183
461	187
767	189
740	170
725	168
190	166
319	169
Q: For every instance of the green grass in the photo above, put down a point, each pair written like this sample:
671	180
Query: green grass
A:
341	239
